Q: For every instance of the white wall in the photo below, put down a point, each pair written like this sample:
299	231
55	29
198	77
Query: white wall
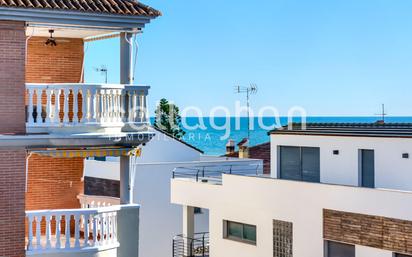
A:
257	201
158	216
372	252
99	169
391	170
163	148
160	220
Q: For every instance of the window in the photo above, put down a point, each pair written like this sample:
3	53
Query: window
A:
367	168
401	255
334	249
282	239
299	163
239	232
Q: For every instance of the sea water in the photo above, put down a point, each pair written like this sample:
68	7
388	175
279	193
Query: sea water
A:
213	136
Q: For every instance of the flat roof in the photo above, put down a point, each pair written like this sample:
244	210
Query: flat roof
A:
377	129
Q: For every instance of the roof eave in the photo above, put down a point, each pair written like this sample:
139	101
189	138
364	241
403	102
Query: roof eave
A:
75	18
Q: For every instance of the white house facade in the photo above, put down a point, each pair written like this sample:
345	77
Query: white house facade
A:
336	190
151	176
334	154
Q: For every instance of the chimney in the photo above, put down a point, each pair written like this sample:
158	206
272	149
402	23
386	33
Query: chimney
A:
230	147
244	148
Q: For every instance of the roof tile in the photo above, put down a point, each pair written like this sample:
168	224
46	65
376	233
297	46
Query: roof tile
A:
120	7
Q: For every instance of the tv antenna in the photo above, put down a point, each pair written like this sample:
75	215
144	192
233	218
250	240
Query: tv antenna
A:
250	90
103	70
383	113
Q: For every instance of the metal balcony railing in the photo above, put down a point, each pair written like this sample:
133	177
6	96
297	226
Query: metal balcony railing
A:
198	246
213	173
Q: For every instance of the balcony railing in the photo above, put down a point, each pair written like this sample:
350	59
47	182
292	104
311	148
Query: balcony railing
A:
198	246
95	201
71	230
213	173
54	108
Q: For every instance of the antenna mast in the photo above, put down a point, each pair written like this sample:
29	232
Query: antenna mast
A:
103	70
251	89
383	114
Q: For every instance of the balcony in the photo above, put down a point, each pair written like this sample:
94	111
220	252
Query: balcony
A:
83	232
212	174
86	108
72	230
198	246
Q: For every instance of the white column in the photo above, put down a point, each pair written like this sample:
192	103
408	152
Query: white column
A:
48	231
58	231
57	104
39	107
94	108
85	107
144	110
66	92
75	105
126	227
125	192
139	105
49	106
30	108
126	58
188	228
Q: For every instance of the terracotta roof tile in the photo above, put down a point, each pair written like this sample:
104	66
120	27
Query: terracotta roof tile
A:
121	7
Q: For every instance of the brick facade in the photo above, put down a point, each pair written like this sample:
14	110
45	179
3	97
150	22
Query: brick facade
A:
260	152
373	231
12	162
54	183
12	70
101	187
59	64
12	216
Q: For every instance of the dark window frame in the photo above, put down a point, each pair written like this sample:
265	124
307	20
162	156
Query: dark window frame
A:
401	255
235	238
198	210
328	243
362	182
301	164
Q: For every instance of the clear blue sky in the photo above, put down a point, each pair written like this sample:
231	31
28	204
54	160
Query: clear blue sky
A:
340	57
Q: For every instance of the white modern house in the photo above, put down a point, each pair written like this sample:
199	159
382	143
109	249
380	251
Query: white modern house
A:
335	190
151	175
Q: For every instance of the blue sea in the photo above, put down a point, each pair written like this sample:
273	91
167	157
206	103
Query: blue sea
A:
213	136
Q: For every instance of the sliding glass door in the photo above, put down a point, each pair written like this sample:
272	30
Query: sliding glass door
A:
300	163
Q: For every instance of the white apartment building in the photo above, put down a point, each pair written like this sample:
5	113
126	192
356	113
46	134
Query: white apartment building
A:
150	178
335	190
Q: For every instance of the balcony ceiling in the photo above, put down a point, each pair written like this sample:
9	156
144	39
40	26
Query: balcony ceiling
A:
66	32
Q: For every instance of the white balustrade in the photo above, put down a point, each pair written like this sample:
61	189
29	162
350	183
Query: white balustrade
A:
83	228
94	201
84	105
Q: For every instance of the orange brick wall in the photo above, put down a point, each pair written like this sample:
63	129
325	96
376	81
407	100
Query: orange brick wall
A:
12	70
54	183
12	186
58	64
